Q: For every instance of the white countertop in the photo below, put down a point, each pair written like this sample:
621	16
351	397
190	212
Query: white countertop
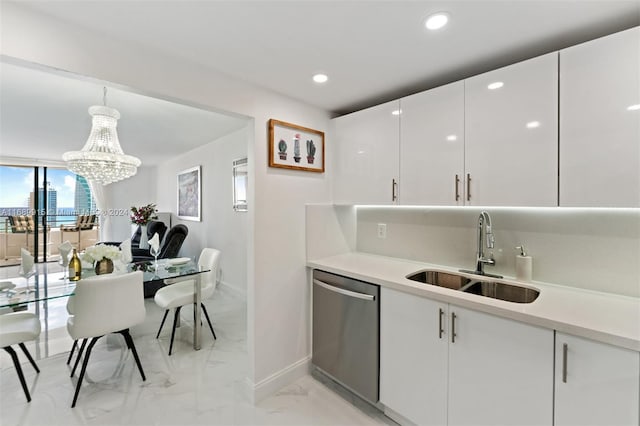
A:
603	317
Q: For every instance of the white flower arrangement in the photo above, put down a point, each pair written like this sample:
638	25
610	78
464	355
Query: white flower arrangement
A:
101	251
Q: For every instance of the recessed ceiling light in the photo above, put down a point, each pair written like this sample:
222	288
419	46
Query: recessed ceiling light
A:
495	85
320	78
533	124
436	21
396	112
633	107
452	138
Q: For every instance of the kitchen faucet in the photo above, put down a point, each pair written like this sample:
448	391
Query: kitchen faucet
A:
484	233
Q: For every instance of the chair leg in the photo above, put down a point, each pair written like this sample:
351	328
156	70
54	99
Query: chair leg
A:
84	368
132	346
73	349
26	352
173	331
73	370
16	363
208	320
162	323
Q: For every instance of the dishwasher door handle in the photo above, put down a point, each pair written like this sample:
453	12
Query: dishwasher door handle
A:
349	293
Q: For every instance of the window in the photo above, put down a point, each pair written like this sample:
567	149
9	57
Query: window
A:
240	175
34	201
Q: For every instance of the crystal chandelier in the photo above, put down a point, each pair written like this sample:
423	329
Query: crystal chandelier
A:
102	160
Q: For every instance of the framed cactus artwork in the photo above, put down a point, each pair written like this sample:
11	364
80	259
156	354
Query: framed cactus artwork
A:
295	147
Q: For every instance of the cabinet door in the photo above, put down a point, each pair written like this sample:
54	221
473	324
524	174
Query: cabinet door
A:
413	357
511	141
432	147
366	155
500	371
599	134
595	383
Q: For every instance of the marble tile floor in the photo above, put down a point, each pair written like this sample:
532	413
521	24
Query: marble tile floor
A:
189	388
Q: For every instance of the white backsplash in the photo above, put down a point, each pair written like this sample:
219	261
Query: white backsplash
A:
594	249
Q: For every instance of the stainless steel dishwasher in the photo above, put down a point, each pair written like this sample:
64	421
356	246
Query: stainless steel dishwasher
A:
346	337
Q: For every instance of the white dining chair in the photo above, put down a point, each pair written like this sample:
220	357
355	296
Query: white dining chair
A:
71	311
180	294
105	304
17	328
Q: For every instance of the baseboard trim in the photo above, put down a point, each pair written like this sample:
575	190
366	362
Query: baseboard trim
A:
272	384
233	290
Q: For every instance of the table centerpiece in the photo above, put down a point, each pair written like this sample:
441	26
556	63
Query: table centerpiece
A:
103	256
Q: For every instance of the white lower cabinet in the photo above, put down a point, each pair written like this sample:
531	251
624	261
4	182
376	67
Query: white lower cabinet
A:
500	371
492	371
413	357
595	383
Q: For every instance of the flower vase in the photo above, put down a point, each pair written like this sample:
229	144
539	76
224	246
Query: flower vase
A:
144	239
104	266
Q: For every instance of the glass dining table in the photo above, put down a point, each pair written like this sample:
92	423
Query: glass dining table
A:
46	286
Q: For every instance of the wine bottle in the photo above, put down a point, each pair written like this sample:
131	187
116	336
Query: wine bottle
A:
75	267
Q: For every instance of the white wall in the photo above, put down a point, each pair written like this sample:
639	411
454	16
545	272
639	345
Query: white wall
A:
278	297
593	249
138	190
330	230
221	227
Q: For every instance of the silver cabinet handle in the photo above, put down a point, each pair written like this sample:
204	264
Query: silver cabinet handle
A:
457	185
565	350
349	293
440	329
453	327
468	186
394	188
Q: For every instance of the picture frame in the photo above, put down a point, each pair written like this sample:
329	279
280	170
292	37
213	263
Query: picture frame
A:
189	194
295	147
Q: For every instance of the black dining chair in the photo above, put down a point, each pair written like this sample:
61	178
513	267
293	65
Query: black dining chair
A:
153	227
171	247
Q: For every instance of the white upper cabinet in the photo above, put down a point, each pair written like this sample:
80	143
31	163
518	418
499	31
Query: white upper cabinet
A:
595	383
366	155
600	122
432	147
511	135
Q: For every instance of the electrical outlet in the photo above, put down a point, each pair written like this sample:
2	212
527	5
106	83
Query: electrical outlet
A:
382	230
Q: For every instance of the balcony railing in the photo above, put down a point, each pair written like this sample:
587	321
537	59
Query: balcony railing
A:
58	228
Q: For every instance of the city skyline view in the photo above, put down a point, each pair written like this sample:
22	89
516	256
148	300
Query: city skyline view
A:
67	195
16	185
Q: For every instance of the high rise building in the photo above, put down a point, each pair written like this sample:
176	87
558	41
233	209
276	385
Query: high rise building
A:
84	202
52	201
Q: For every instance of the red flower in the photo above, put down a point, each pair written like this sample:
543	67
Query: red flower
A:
143	215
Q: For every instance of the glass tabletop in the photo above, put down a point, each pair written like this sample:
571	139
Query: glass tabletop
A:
167	268
52	285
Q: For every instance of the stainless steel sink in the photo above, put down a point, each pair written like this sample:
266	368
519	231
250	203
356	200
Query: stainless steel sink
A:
502	291
441	279
508	292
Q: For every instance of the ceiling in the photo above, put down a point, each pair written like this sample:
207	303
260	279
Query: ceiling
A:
45	114
372	51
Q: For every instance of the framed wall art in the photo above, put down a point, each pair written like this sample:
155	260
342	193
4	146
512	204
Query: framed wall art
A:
295	147
189	193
